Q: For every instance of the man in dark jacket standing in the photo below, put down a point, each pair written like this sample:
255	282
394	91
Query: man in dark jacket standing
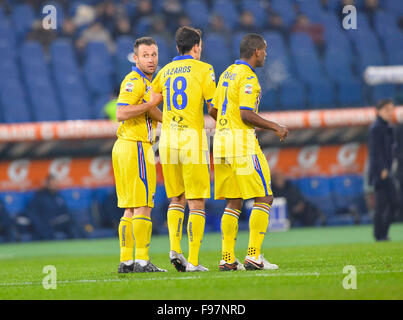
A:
380	145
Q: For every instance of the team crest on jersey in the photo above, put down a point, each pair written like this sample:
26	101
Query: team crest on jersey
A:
213	76
129	87
248	88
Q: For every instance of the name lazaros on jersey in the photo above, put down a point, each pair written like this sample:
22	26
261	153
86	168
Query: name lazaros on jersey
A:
177	70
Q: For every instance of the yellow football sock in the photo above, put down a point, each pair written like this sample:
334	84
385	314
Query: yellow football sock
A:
126	240
175	215
229	230
195	228
258	223
142	227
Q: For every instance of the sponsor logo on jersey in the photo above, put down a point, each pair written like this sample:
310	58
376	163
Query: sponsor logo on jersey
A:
129	87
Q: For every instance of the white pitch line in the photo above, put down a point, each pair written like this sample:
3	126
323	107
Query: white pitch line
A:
217	276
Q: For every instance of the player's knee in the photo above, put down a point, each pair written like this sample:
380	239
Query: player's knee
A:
234	204
267	199
179	200
128	213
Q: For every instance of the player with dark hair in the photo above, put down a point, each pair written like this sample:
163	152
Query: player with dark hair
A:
240	167
133	158
185	83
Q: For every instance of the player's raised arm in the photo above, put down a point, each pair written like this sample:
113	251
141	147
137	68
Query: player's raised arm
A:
125	112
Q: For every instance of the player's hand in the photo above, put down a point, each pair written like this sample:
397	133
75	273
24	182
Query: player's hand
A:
384	174
281	132
155	98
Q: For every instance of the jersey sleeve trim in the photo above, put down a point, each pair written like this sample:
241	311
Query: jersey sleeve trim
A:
246	108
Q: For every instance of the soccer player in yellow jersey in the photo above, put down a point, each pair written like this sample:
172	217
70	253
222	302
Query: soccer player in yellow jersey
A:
185	83
240	167
133	158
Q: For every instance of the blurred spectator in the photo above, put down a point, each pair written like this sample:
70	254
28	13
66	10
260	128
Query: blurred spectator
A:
276	24
122	27
184	20
85	15
159	28
370	7
300	210
96	32
314	30
68	29
380	148
48	214
217	26
247	22
110	108
172	10
106	14
144	9
43	36
7	225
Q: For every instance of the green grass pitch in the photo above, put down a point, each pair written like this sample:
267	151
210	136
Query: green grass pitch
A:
311	262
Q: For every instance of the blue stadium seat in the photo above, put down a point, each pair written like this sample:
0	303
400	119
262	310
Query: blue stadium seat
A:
349	93
338	67
63	57
331	22
394	6
235	42
165	53
292	95
321	94
79	202
278	63
269	100
386	23
7	41
99	104
337	43
74	97
22	17
198	12
9	68
16	202
99	81
97	55
301	43
317	190
143	26
124	47
348	193
312	9
258	10
368	48
285	9
227	10
77	106
383	91
45	106
13	97
214	43
393	48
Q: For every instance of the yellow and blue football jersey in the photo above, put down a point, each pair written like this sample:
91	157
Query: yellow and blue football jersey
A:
134	90
237	89
185	84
